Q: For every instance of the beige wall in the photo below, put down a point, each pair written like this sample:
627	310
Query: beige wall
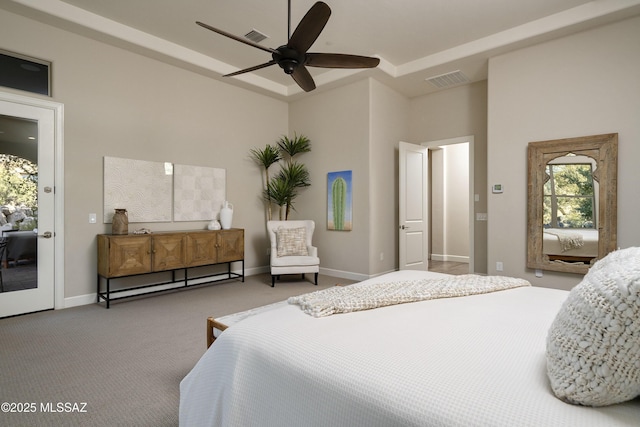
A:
436	208
456	216
125	105
337	122
456	112
583	84
449	202
356	127
389	125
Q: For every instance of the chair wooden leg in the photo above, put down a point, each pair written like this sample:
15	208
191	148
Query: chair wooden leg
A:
273	280
316	279
302	276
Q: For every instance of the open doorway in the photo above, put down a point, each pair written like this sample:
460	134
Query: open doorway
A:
451	203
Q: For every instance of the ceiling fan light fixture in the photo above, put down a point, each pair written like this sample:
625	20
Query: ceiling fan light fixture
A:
288	65
293	57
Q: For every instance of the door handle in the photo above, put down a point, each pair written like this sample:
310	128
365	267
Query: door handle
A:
404	227
46	235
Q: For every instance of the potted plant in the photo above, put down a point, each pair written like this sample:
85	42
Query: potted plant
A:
282	189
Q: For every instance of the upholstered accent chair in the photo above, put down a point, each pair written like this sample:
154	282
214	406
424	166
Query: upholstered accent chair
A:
291	249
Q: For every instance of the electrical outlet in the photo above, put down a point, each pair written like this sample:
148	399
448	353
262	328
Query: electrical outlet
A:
499	266
381	256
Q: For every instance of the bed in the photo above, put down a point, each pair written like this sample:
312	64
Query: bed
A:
475	360
557	247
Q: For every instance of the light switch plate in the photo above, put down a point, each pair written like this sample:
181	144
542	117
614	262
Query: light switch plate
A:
92	218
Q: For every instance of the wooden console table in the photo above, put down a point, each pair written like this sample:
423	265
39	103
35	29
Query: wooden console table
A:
136	254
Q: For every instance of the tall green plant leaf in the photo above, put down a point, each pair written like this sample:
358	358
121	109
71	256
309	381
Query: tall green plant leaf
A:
293	146
266	157
281	191
297	176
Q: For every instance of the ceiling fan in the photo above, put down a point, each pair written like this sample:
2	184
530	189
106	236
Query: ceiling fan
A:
293	57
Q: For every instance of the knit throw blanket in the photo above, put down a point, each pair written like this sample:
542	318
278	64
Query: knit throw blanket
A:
568	239
363	296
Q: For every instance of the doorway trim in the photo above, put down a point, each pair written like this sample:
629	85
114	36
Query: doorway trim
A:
460	140
58	112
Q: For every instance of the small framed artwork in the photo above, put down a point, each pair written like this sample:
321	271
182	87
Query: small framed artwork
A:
339	201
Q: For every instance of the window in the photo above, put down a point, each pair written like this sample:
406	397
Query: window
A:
569	196
25	73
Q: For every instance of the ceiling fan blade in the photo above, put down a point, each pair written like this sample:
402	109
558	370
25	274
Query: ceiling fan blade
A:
234	37
339	60
246	70
303	78
309	27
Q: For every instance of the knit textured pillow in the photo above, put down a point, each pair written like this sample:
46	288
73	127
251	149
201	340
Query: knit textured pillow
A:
593	346
292	241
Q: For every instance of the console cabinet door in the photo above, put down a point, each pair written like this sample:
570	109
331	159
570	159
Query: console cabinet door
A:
201	249
169	251
230	245
124	255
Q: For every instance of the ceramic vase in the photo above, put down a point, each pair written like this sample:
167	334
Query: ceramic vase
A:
226	215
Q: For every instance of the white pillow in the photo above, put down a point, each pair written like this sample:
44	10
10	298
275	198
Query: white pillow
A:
291	241
593	346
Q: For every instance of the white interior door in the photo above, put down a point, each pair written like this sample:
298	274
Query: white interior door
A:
413	213
40	297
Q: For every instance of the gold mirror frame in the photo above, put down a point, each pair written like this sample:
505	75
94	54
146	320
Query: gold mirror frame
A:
604	150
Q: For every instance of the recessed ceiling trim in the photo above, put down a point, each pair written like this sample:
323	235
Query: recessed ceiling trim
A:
542	26
585	13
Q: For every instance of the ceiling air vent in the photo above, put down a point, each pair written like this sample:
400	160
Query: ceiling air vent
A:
453	78
256	36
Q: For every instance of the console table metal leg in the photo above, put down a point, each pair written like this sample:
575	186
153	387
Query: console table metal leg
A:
108	289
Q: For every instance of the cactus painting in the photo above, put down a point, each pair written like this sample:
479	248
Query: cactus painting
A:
339	201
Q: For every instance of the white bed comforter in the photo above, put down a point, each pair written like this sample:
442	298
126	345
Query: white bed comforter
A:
468	361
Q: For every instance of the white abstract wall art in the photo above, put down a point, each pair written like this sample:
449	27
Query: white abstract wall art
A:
141	187
198	192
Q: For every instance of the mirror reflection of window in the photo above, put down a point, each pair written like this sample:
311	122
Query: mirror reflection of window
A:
569	196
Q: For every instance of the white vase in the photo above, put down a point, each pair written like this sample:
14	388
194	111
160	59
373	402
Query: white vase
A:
214	225
226	215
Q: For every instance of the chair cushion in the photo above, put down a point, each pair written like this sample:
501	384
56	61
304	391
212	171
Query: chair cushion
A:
293	261
291	241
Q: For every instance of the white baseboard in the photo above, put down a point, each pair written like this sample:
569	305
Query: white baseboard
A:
343	274
455	258
80	300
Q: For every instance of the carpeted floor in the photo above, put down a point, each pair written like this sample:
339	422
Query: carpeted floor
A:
89	366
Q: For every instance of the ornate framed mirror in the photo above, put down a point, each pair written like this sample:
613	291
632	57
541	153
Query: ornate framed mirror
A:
572	202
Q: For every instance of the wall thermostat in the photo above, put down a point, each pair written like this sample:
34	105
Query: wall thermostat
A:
497	188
